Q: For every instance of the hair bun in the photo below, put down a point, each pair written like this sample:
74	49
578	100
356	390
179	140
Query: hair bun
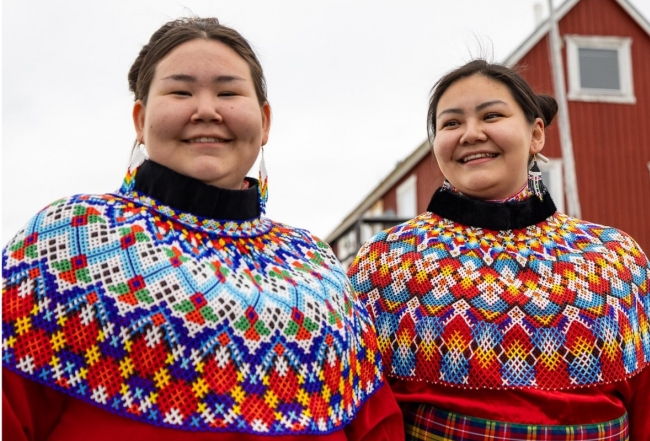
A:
548	107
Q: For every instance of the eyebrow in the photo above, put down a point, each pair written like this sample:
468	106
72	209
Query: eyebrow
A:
192	79
480	107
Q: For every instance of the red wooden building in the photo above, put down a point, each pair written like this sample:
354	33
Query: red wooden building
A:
606	58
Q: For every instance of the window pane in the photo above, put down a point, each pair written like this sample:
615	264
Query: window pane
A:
599	69
407	198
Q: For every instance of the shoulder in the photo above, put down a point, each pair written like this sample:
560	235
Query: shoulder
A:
60	219
598	234
301	237
67	208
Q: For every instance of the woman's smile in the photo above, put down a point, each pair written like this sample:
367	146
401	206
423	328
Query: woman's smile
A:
477	158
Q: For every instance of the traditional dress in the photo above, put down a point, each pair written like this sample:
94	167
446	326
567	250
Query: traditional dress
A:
510	320
145	315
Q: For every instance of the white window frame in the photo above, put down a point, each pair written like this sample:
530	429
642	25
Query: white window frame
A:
408	188
556	187
623	46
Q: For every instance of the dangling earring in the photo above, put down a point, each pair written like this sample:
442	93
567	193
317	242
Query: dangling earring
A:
263	189
535	184
138	156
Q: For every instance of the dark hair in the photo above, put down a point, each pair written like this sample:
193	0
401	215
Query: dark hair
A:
177	32
533	105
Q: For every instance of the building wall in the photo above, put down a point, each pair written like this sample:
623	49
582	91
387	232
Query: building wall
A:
429	178
611	142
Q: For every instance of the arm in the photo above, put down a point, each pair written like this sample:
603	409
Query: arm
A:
30	410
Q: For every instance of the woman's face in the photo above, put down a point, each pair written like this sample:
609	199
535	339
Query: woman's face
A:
202	118
483	141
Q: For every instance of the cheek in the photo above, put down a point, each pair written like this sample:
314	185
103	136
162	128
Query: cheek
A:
247	121
442	148
511	138
165	120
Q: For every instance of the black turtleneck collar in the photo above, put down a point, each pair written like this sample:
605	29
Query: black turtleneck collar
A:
190	195
491	215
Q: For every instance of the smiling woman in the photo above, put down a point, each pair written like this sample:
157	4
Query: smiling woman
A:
498	317
173	309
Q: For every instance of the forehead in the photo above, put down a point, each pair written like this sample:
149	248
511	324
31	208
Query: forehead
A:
202	56
474	89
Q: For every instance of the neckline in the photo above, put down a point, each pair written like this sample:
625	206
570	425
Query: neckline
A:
500	216
198	206
195	197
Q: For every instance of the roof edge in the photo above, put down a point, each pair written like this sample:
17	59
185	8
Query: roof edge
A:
635	14
398	172
538	34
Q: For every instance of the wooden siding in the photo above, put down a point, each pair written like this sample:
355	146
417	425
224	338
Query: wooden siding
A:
611	142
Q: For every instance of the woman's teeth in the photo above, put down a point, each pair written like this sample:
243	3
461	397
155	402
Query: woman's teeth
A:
204	139
477	156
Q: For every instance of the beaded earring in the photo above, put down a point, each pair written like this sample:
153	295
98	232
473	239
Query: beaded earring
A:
138	156
263	189
535	184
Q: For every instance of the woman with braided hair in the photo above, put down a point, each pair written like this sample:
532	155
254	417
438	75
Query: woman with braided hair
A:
497	316
172	308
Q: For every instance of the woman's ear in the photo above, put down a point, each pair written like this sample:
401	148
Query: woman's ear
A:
138	120
537	136
266	121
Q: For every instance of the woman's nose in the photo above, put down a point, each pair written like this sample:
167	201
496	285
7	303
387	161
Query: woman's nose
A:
473	133
207	110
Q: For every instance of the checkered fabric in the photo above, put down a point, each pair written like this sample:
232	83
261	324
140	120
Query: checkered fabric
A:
559	304
426	423
185	322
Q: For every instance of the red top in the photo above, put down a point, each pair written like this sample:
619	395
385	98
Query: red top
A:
587	405
31	411
511	312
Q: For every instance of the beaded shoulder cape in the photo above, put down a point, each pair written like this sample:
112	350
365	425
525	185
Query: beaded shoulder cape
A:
481	294
184	321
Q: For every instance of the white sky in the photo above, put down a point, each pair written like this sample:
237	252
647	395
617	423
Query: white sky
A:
348	84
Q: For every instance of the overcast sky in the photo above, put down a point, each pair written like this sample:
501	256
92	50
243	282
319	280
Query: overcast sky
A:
348	84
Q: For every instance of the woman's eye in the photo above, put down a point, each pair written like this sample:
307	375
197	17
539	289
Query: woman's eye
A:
451	123
227	94
492	115
181	92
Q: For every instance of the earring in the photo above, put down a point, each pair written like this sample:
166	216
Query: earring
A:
138	156
535	184
262	188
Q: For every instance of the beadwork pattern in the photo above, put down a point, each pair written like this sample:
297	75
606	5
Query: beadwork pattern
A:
560	304
185	322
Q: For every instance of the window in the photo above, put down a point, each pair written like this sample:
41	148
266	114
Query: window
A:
407	198
600	69
368	229
553	180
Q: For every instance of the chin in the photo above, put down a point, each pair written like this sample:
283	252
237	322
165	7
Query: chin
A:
481	190
203	171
